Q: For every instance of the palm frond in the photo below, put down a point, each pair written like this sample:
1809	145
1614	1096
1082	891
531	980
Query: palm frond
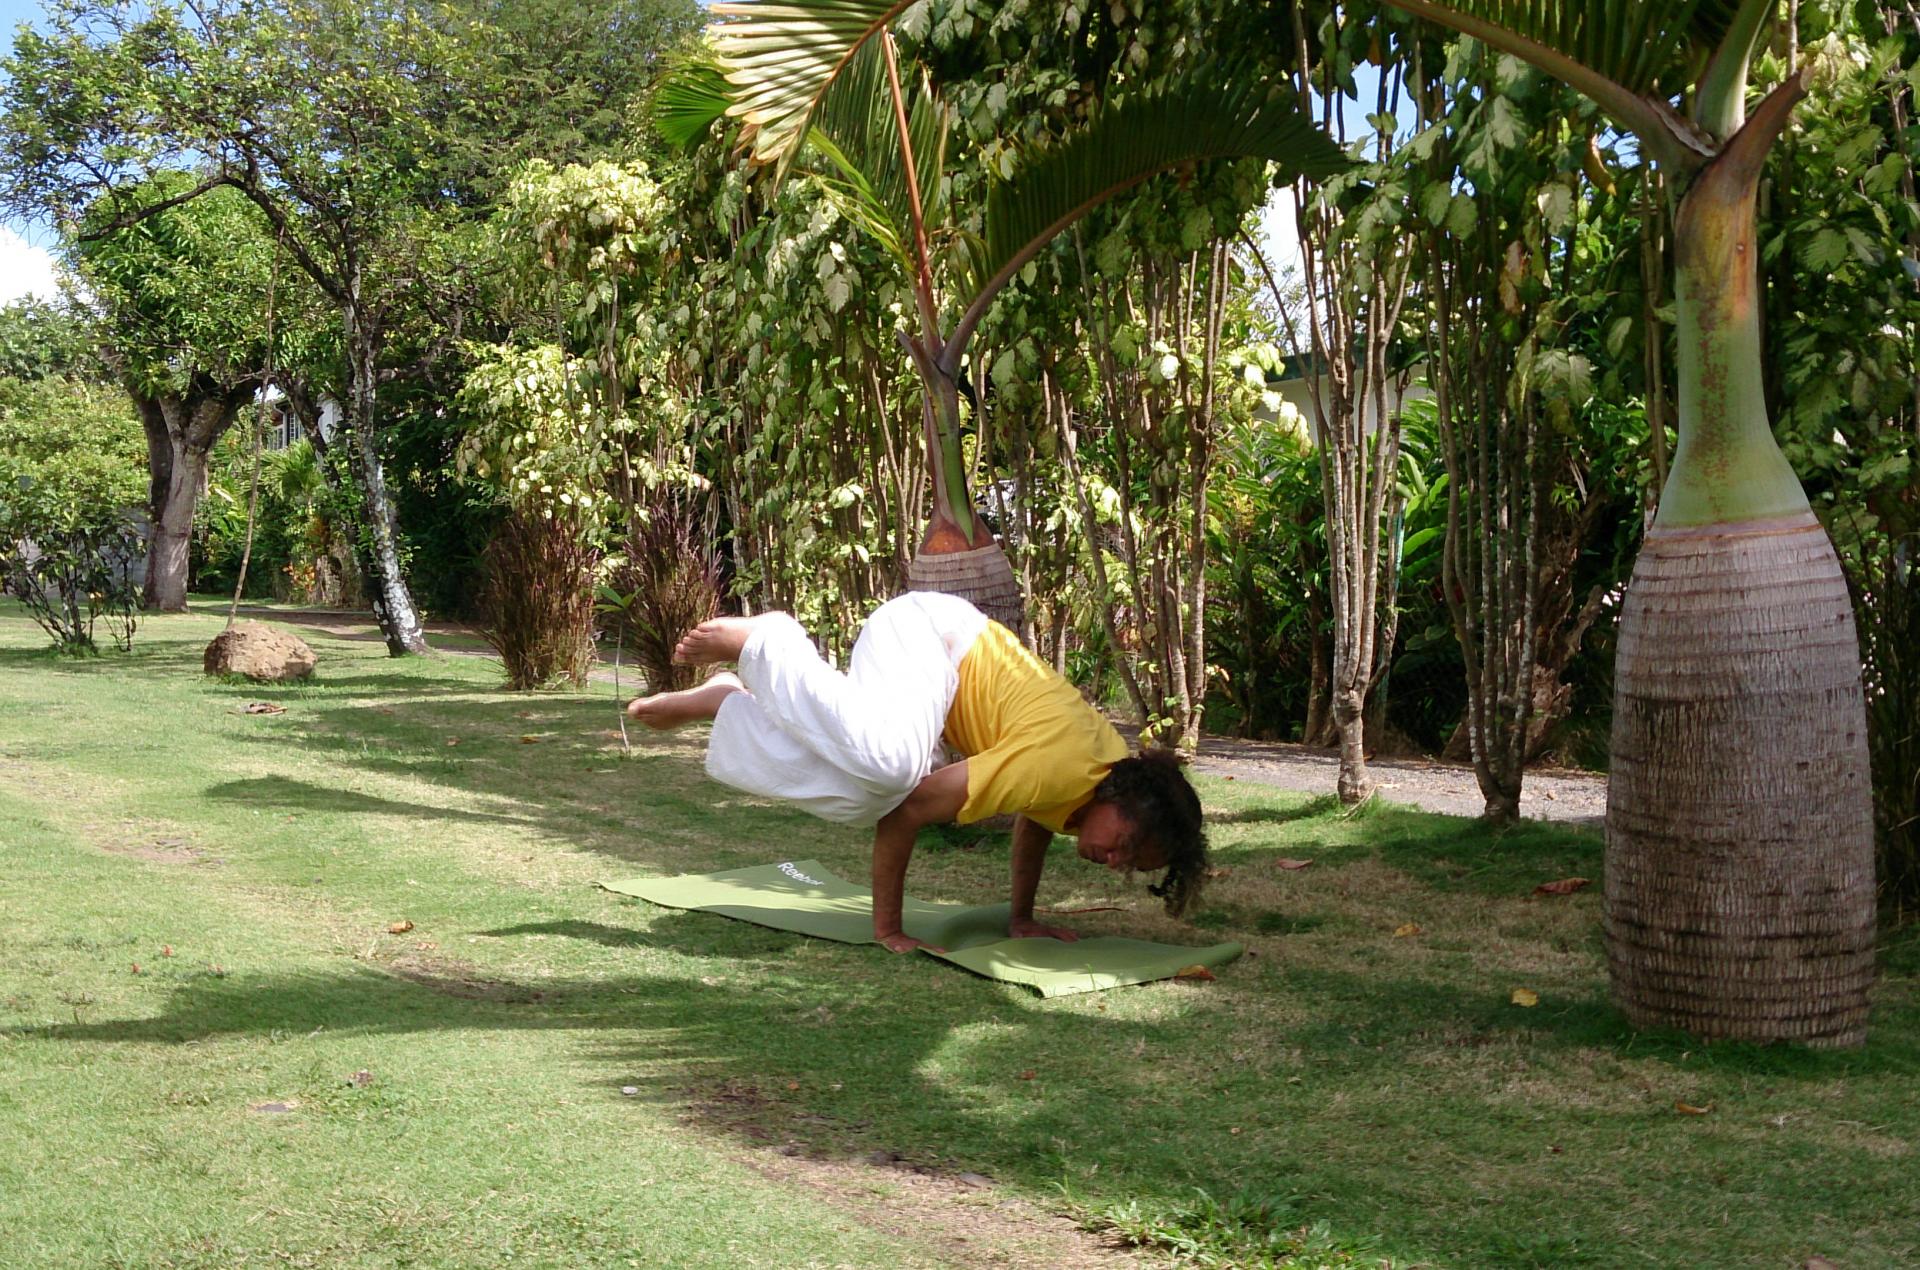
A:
691	98
851	192
1629	56
1634	43
1712	19
1209	113
780	58
856	131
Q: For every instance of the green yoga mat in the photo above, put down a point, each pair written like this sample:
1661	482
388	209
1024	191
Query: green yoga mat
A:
803	896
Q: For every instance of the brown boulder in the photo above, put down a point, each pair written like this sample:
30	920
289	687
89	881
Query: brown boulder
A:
259	652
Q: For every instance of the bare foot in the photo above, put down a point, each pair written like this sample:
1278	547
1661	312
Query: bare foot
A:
665	710
904	943
714	641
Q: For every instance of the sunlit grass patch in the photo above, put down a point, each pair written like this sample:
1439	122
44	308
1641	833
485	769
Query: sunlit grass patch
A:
1365	1062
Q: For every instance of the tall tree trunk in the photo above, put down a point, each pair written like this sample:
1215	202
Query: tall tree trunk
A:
379	537
1739	871
181	432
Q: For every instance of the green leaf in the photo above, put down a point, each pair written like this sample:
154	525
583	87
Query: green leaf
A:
857	131
1211	113
1825	251
1421	538
690	99
780	59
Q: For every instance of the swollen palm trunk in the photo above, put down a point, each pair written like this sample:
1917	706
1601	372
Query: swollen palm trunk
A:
1739	874
979	575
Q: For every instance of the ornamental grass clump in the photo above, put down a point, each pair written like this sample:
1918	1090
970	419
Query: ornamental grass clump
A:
538	600
672	582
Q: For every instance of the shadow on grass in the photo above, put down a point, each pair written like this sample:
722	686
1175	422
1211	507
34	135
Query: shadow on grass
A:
766	1058
592	932
146	654
1452	854
1322	805
280	791
1376	1022
933	1067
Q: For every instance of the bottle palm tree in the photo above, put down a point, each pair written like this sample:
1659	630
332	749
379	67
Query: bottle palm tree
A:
1739	869
823	77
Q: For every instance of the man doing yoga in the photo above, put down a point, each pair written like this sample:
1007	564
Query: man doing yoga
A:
859	747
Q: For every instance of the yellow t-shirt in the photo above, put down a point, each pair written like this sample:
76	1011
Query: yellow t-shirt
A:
1032	745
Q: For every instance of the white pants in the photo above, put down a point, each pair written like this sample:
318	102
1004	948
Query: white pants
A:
845	747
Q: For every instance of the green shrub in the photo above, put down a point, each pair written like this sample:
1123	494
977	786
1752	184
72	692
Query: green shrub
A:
1885	578
72	469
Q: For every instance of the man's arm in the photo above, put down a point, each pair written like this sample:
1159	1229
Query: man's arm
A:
936	799
1030	842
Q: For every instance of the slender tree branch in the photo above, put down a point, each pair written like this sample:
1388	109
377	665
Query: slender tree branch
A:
128	220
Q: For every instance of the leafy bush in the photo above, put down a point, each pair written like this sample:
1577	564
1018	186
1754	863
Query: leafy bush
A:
72	468
301	550
1266	589
42	339
1885	577
71	572
538	600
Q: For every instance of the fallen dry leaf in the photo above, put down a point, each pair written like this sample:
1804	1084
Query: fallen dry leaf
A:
1286	862
1525	997
1029	1074
425	945
136	967
263	707
1565	886
793	1084
166	950
1819	1263
1406	929
1218	873
1196	972
400	927
1688	1109
529	739
1235	1131
217	970
360	1079
453	740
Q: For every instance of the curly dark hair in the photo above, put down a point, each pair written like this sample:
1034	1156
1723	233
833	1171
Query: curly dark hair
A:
1153	793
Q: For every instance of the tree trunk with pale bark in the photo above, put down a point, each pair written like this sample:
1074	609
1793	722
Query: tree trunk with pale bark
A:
379	532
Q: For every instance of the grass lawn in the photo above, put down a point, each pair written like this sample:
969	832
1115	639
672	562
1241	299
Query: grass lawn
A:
289	1079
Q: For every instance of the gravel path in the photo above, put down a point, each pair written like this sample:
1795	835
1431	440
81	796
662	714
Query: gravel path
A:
1569	797
1578	798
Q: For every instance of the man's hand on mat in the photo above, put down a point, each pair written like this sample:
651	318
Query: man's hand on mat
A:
1030	929
905	943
